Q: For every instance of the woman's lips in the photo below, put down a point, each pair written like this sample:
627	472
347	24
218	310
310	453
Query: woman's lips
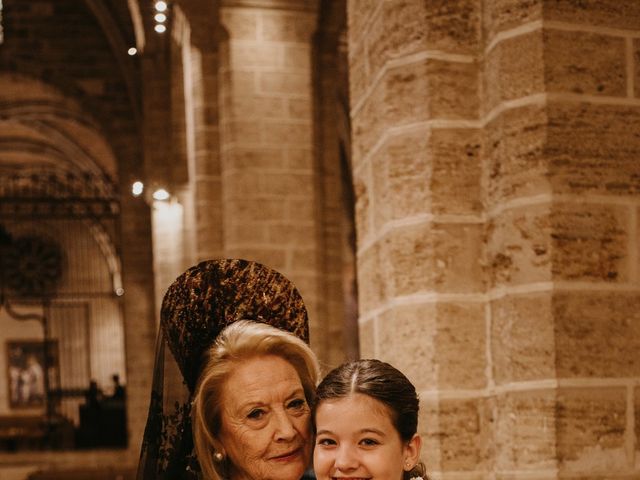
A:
288	456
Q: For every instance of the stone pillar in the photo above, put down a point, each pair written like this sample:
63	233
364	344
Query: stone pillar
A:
417	164
498	191
137	308
562	116
188	227
202	64
268	181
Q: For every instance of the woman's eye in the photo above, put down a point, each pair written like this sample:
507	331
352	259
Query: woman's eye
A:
297	403
256	414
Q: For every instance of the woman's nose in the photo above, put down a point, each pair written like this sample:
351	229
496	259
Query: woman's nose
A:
284	428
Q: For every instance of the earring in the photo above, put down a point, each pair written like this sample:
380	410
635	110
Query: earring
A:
218	457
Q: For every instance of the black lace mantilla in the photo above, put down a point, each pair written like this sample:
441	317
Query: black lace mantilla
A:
196	307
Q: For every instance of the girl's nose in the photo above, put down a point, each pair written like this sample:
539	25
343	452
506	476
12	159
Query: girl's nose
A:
346	458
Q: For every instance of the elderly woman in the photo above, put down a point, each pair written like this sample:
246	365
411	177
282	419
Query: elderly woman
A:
238	380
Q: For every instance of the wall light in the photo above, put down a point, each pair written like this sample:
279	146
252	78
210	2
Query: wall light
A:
160	17
137	188
161	194
160	28
132	51
161	6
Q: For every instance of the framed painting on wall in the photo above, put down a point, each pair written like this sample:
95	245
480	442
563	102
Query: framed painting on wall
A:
27	369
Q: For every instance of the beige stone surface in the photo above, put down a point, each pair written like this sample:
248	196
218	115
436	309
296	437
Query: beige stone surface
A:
366	335
406	336
514	68
368	125
454	26
516	165
435	257
411	336
254	54
455	158
359	13
434	89
463	432
519	246
525	437
363	193
401	176
590	429
597	334
283	133
257	209
592	149
243	24
501	15
416	92
359	79
396	29
284	82
590	242
523	338
257	158
282	26
461	327
284	234
599	13
584	63
258	106
298	157
373	280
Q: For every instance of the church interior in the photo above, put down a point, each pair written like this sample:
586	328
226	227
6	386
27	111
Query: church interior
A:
452	185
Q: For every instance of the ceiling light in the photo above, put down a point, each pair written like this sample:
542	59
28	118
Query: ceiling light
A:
161	194
137	188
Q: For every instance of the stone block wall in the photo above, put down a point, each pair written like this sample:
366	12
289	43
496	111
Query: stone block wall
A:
268	181
495	150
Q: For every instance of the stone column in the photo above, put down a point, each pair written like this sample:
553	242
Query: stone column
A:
417	164
268	181
498	188
562	117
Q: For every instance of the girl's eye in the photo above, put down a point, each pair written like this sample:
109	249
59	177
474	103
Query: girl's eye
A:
369	442
256	414
325	441
297	403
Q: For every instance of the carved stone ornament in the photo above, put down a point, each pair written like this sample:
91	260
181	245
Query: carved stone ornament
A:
33	267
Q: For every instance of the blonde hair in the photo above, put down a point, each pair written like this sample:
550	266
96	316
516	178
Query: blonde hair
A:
240	341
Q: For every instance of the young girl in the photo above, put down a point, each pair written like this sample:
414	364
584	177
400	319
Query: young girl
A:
366	419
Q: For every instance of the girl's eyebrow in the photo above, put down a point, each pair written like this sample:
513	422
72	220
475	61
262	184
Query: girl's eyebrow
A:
364	430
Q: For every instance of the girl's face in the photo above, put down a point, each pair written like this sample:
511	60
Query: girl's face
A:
356	440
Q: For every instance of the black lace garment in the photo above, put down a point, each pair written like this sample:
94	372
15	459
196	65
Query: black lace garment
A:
196	307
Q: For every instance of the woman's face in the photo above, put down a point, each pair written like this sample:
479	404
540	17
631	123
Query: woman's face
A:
265	421
356	439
